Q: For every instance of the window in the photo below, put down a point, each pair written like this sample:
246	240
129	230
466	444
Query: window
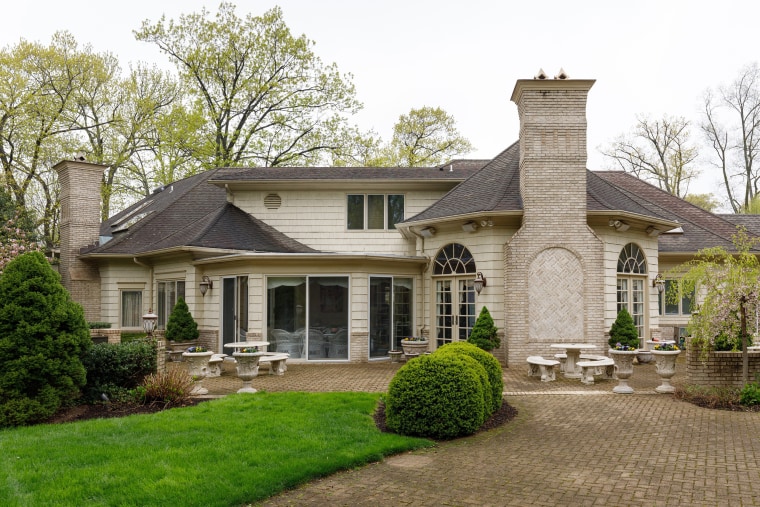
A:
390	313
168	293
131	309
374	211
631	284
681	307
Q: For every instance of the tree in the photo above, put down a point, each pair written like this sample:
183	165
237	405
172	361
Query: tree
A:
17	230
732	127
705	201
267	98
623	331
659	152
730	285
181	326
484	332
43	339
426	137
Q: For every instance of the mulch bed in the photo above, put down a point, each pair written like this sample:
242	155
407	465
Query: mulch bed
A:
112	409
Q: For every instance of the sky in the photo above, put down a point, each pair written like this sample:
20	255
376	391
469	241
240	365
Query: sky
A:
650	58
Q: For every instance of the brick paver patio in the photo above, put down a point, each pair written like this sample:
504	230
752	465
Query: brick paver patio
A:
571	444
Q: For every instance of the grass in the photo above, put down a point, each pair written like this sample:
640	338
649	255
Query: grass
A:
239	449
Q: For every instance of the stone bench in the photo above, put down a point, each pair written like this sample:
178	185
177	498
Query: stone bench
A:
275	361
540	367
562	358
601	365
215	365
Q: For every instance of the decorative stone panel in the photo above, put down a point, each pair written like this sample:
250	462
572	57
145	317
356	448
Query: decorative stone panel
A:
555	288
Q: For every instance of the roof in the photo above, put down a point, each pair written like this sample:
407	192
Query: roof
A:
190	213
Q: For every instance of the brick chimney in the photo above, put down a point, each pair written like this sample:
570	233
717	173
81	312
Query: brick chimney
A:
554	263
80	227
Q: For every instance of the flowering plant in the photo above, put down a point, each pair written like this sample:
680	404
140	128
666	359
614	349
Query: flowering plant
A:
197	348
413	339
620	346
666	346
249	350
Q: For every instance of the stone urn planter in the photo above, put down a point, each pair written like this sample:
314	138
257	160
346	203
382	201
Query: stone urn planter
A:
644	356
247	369
177	349
413	348
197	368
395	355
623	369
665	362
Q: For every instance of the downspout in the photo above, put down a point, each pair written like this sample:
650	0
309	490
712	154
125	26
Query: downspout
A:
150	269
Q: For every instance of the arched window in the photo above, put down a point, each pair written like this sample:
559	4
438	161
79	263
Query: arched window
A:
631	284
453	259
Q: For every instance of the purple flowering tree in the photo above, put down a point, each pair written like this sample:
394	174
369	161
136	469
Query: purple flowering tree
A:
14	241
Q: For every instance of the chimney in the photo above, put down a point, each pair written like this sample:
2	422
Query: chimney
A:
80	183
553	148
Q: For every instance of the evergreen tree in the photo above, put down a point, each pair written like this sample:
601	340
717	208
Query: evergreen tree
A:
484	332
181	325
623	330
43	339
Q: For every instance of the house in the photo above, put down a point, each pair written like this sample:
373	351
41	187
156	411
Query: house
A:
339	264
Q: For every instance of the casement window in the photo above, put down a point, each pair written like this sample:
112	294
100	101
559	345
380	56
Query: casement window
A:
168	293
680	307
131	309
374	211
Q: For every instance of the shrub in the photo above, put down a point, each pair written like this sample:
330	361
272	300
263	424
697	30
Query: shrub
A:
484	332
169	388
623	330
43	338
181	326
750	394
489	363
99	325
438	396
726	342
113	367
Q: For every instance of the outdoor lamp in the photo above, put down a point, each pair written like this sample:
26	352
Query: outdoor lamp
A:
149	322
480	282
659	282
205	285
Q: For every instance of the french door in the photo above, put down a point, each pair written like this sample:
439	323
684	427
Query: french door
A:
454	309
630	295
234	325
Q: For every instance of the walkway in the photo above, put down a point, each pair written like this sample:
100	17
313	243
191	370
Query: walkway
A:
570	445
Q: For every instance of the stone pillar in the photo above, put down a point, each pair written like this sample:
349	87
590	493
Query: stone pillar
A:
80	227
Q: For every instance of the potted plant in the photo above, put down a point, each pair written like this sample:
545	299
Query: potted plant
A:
247	360
665	355
181	329
197	358
413	346
624	342
484	332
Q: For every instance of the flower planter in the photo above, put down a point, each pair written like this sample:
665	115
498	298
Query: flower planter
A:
395	355
665	361
414	348
197	367
623	369
644	356
178	349
247	369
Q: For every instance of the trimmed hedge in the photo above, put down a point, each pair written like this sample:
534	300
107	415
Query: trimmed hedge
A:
113	368
491	365
439	396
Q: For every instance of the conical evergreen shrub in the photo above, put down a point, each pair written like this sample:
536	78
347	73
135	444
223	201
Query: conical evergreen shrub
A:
484	332
623	330
181	326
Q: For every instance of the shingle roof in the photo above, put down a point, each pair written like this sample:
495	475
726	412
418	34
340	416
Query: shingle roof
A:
750	222
192	213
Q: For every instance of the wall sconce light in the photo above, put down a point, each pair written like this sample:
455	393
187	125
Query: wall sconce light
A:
205	285
428	232
619	225
659	282
469	226
480	282
653	231
149	322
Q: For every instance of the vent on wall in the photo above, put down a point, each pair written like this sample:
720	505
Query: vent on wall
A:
272	201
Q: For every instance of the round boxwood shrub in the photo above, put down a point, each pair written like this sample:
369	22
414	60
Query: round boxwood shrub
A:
491	365
437	396
43	339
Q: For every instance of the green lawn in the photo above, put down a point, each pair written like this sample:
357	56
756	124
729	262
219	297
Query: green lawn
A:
231	451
